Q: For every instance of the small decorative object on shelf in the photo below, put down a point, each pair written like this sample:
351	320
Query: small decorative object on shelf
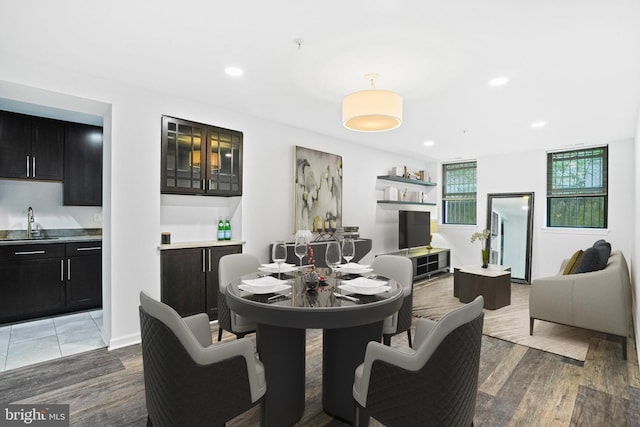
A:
483	236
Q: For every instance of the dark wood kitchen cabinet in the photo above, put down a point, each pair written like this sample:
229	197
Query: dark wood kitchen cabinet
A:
200	159
82	165
39	280
83	275
31	147
189	278
32	278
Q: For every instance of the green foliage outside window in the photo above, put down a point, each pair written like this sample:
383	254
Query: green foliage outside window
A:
577	188
459	193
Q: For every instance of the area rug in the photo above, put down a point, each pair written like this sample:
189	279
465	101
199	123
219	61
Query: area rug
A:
434	298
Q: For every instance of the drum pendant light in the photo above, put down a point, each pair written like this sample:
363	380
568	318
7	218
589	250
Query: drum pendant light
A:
372	110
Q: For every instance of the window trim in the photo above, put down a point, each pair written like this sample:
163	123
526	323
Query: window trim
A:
598	192
469	196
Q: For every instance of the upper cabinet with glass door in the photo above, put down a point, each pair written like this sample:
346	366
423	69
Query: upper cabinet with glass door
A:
225	161
200	159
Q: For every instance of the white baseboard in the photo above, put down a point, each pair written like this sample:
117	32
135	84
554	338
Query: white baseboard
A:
124	341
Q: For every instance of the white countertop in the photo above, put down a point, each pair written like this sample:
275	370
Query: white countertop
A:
201	244
494	270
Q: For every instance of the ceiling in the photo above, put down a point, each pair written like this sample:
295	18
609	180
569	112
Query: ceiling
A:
574	64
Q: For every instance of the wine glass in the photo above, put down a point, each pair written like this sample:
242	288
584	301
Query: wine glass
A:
300	247
333	254
279	253
348	251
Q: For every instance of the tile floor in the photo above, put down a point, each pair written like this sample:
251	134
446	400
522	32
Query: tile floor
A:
27	343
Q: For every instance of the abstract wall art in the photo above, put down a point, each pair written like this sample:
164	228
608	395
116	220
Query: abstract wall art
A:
317	191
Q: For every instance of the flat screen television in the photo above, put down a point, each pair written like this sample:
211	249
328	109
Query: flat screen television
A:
413	229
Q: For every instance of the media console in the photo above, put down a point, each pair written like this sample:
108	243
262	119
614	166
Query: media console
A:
427	262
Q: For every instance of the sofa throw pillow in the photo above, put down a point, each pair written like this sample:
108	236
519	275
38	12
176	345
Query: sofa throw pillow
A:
573	262
590	261
604	248
601	242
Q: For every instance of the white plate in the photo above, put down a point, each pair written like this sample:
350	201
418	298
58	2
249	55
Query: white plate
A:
273	268
364	290
275	265
364	282
263	289
354	270
264	285
354	267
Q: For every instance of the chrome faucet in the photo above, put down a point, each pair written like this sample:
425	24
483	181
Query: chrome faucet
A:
30	222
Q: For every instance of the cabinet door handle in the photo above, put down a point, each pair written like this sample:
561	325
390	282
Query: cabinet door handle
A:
68	268
209	254
92	248
203	262
28	163
29	252
34	166
62	270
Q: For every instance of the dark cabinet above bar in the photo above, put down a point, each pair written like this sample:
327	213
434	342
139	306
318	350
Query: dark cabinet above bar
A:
200	159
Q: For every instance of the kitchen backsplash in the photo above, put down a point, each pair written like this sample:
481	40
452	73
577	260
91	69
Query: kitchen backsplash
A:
48	211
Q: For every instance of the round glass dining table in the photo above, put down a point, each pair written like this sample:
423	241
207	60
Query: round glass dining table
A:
348	320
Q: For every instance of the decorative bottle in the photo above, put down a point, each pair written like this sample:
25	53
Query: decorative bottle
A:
220	229
227	229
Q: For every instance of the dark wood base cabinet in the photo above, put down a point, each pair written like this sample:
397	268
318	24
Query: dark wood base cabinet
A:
84	275
189	278
38	280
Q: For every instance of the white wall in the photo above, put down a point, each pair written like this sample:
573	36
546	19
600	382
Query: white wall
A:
46	200
135	213
509	173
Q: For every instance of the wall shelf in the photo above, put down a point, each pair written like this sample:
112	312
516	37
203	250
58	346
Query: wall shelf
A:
400	202
406	180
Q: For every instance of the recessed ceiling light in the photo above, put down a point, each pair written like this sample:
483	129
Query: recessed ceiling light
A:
234	71
499	81
429	143
538	124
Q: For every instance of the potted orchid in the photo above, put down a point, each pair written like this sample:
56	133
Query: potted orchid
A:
483	236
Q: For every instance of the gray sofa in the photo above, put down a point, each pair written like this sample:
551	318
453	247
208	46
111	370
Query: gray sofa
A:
598	300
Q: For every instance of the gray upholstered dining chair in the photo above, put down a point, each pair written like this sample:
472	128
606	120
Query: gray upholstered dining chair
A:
400	269
434	384
188	380
231	267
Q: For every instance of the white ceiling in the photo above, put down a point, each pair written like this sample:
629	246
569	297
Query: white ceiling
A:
572	63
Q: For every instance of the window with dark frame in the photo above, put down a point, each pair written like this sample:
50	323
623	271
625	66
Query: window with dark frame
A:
577	188
459	184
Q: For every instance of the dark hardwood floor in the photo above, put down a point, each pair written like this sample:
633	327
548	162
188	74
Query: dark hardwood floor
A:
518	386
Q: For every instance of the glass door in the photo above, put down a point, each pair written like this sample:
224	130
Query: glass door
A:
182	156
224	157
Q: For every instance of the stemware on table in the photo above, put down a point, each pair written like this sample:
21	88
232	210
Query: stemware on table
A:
333	254
300	247
348	251
279	253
